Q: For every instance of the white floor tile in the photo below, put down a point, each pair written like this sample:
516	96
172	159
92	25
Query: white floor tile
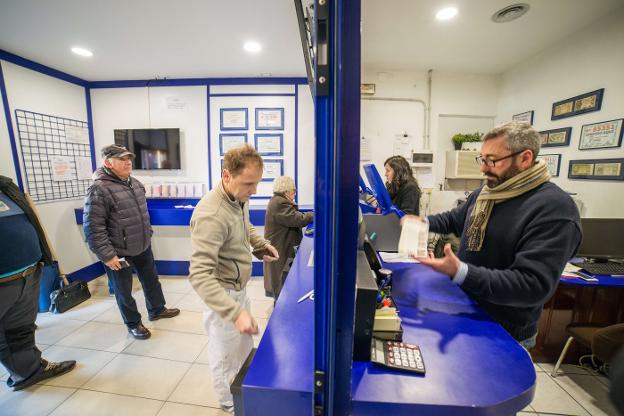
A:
178	284
257	292
99	336
95	403
171	298
187	321
528	409
169	345
88	364
202	358
551	398
196	388
191	302
565	369
100	292
589	392
36	400
51	329
113	316
177	409
133	375
262	308
537	368
87	310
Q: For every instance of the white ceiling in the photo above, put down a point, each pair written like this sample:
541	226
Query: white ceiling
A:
146	39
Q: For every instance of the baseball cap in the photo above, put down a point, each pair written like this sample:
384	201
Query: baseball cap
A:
116	151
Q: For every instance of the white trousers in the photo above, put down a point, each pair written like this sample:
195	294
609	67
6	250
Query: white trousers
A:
228	348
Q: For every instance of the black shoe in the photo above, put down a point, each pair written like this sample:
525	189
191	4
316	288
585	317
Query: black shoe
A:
140	332
165	313
48	370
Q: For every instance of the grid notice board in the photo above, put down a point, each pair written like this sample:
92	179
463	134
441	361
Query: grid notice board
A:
56	156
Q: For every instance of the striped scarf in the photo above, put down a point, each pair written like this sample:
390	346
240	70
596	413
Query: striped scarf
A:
511	188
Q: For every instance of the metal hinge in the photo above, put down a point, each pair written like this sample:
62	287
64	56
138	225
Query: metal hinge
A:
319	393
322	47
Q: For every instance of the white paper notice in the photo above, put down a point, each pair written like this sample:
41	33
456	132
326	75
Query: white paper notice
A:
272	170
396	258
230	141
234	119
365	150
270	118
75	134
402	146
175	103
61	168
84	170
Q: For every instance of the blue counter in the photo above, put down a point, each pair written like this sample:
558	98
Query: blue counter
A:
162	211
473	366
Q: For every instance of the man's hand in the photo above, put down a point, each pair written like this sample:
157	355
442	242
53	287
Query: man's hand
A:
274	254
449	264
114	264
245	323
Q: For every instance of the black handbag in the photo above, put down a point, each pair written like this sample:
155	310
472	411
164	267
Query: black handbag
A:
65	298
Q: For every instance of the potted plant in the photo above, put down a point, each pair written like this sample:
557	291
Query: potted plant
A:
459	139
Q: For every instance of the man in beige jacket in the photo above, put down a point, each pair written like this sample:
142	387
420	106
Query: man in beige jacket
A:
222	240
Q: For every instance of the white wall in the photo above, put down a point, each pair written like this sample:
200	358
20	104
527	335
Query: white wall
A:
473	97
592	58
32	91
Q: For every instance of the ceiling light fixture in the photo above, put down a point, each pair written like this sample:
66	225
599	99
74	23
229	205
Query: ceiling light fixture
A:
82	51
253	47
446	13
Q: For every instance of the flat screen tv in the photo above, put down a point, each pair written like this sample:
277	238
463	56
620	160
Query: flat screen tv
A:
154	148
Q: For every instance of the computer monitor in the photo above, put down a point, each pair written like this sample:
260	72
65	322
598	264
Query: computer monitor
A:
381	193
603	238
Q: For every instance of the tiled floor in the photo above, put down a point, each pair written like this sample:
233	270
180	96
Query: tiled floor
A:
168	375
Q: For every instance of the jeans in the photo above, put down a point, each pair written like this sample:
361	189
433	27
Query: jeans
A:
19	303
122	285
229	348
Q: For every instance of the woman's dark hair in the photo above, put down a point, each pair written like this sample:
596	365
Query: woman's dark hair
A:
402	174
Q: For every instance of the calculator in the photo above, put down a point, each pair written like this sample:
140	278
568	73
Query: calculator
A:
397	355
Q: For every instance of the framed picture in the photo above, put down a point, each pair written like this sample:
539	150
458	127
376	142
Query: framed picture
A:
233	119
229	141
581	104
269	119
597	169
526	117
269	144
273	168
556	137
553	163
601	135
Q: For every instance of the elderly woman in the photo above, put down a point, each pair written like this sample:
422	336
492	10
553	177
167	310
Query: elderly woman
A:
282	228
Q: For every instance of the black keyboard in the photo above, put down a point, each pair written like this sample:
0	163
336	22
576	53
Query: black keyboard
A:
608	268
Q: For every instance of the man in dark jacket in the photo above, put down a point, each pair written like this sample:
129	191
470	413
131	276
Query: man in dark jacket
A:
117	228
24	251
517	233
282	227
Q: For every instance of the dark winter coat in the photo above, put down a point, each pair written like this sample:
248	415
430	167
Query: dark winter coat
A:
407	198
115	220
282	227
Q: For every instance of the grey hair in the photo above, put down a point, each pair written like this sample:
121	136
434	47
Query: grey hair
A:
518	136
283	184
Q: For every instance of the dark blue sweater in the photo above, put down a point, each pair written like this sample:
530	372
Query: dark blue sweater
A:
527	243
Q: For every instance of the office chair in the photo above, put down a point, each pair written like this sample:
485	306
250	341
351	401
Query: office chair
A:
603	341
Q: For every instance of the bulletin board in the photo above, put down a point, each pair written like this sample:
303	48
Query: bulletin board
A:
56	156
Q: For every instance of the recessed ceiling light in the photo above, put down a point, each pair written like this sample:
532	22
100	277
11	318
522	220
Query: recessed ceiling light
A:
253	47
81	51
509	13
446	13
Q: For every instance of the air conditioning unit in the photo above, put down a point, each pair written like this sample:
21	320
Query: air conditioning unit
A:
461	164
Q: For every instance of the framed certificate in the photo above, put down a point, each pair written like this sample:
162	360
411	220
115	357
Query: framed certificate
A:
526	117
273	168
229	141
597	169
233	119
553	163
556	137
269	119
601	135
581	104
269	144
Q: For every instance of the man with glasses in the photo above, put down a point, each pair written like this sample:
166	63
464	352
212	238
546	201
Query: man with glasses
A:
517	233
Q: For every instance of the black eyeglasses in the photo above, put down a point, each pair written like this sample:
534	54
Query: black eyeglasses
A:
492	162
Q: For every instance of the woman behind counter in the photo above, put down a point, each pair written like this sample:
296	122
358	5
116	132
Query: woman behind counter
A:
402	186
282	227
